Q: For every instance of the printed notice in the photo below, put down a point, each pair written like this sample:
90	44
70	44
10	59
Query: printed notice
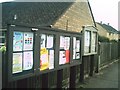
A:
93	41
49	41
87	38
28	60
74	47
44	63
62	42
17	41
17	63
67	54
87	42
28	41
62	57
78	46
51	59
67	43
43	39
77	55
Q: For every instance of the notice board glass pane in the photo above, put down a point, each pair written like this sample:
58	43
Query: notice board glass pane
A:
64	53
46	52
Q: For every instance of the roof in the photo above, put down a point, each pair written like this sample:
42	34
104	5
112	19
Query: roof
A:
33	13
109	28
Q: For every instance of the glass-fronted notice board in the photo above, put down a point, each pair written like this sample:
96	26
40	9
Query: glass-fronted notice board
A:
22	51
31	53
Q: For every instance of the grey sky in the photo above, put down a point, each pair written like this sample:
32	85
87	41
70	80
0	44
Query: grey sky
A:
105	11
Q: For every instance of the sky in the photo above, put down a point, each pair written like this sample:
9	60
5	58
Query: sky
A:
103	10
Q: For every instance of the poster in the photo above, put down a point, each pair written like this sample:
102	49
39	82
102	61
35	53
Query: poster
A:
74	47
49	41
67	55
17	41
87	38
62	57
43	39
93	41
62	42
51	59
27	60
77	45
44	63
66	43
77	55
87	42
28	41
17	63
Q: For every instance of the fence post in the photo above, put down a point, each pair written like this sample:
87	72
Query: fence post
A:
59	78
73	77
4	71
82	70
0	70
45	80
22	83
91	65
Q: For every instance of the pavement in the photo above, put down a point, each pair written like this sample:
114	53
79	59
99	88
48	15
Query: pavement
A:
106	78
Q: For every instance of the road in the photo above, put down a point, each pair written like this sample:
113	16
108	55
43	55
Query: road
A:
106	78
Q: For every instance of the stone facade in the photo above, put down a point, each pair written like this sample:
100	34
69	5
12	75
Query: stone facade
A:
106	33
102	31
75	17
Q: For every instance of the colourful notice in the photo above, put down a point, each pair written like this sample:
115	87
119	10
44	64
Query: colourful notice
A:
17	63
44	63
17	41
28	41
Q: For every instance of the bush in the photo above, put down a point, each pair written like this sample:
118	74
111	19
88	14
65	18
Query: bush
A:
114	41
103	39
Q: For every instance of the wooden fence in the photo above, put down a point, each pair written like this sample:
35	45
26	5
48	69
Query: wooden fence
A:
64	78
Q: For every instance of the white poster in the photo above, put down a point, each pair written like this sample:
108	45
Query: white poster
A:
94	38
87	41
28	60
62	58
77	55
67	43
17	41
62	42
77	45
43	39
93	41
28	41
17	63
49	41
74	47
87	38
51	59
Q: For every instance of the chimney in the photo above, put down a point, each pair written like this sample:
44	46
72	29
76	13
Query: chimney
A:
101	22
108	24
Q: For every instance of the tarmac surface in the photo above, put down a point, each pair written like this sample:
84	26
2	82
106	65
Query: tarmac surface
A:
106	78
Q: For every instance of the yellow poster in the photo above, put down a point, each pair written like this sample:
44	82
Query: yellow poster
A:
44	63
